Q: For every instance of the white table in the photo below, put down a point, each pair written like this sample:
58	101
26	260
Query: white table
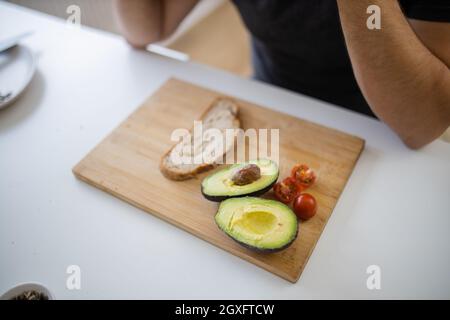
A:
394	211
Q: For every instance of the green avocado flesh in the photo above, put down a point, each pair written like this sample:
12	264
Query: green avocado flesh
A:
260	224
219	185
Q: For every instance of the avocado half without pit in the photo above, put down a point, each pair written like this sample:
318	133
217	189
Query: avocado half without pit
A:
258	224
251	178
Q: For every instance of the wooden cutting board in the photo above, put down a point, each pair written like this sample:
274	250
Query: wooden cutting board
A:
125	164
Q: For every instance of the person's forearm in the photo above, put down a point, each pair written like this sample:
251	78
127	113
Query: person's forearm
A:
404	83
139	20
147	21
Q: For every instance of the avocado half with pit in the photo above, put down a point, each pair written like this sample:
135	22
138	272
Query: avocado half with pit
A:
258	224
221	185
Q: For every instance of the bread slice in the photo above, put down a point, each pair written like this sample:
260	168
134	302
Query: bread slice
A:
222	115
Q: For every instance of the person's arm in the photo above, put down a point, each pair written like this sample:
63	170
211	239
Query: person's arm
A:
404	76
146	21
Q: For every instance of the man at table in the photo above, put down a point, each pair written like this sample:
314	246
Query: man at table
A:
325	49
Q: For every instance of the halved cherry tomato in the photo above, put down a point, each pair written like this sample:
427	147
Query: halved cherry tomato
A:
303	175
305	206
286	190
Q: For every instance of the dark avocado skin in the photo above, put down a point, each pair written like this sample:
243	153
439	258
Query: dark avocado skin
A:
261	250
253	194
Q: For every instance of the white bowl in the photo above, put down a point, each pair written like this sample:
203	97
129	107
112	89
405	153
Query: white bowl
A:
21	288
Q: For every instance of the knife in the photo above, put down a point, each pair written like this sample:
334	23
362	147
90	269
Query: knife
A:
11	42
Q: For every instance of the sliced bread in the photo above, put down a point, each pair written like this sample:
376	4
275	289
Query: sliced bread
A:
222	115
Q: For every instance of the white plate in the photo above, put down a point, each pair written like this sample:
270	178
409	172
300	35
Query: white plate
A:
17	67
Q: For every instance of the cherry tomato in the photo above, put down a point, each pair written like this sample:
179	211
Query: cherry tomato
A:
286	190
303	175
305	206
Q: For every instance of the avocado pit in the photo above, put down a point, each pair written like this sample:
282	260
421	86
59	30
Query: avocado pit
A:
246	175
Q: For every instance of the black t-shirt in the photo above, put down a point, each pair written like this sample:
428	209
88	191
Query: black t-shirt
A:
299	45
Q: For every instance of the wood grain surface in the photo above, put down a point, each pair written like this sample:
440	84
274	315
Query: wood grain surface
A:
125	164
